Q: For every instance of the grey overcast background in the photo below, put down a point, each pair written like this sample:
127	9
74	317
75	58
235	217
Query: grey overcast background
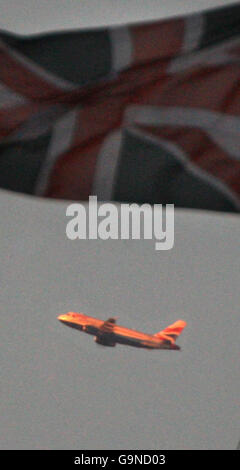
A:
59	390
34	16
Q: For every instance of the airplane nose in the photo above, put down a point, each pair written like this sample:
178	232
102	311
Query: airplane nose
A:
63	318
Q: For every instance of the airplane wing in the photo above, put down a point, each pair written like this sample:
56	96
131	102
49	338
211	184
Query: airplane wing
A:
106	333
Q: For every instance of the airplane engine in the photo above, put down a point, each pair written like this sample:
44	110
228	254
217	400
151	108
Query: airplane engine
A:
105	340
105	335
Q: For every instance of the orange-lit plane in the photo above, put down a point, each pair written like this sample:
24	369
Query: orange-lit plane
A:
108	333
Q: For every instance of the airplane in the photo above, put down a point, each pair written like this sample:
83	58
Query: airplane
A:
108	333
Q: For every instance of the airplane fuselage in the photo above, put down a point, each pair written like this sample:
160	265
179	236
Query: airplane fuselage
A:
107	333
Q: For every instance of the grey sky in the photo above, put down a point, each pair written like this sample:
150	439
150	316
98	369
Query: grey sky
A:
33	16
58	389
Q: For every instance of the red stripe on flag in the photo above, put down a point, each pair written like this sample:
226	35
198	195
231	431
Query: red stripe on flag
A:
12	118
73	173
96	121
157	40
215	89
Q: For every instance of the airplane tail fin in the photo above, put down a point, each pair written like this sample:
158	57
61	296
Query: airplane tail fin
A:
171	333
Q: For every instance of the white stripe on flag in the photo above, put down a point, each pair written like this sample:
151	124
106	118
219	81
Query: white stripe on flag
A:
121	45
61	139
38	70
38	124
224	129
9	98
193	30
107	161
219	54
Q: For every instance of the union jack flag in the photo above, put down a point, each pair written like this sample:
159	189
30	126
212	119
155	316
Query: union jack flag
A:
143	112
